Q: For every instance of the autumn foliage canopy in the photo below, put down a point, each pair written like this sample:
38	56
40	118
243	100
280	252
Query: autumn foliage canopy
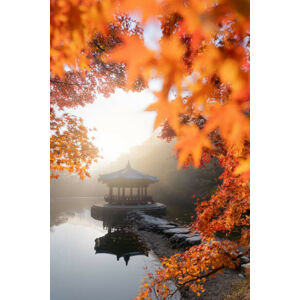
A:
203	59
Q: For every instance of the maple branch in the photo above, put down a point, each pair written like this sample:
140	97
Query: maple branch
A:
180	286
98	47
100	61
197	277
155	294
107	69
68	83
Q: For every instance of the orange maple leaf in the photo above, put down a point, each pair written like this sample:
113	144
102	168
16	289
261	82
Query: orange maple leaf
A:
167	110
234	125
191	142
134	54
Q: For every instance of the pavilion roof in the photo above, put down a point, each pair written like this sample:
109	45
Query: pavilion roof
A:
127	174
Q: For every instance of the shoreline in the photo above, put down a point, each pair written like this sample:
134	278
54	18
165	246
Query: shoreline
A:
216	288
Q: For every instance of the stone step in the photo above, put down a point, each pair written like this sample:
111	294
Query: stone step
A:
178	230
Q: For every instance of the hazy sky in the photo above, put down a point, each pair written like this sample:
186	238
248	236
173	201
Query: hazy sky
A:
121	121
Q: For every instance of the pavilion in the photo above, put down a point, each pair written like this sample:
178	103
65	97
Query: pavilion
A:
130	186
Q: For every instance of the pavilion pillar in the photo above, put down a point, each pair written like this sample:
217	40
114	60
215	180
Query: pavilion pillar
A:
110	191
131	191
118	192
138	191
123	192
145	190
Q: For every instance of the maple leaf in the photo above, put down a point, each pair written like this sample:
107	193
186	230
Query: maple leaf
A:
134	54
162	109
231	121
230	72
191	142
166	109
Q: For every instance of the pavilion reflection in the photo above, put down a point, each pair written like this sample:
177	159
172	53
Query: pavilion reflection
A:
121	243
120	240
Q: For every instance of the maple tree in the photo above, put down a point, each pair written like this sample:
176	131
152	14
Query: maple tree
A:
202	58
70	86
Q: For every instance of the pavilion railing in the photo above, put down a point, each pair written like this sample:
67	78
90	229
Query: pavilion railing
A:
128	200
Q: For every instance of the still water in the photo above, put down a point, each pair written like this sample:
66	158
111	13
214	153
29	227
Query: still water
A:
84	264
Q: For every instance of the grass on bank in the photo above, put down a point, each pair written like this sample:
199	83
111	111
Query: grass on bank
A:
240	290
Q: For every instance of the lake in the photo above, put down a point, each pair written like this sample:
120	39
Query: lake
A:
77	271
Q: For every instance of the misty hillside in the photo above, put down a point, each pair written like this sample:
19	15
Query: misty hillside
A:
175	187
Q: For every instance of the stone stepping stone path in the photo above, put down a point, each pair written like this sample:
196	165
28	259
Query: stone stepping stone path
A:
183	239
194	240
162	228
178	235
178	230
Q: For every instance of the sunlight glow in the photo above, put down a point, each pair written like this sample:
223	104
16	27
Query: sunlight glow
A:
121	121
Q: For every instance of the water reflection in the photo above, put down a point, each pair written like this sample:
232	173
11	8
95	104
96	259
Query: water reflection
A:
120	240
78	270
121	243
64	208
